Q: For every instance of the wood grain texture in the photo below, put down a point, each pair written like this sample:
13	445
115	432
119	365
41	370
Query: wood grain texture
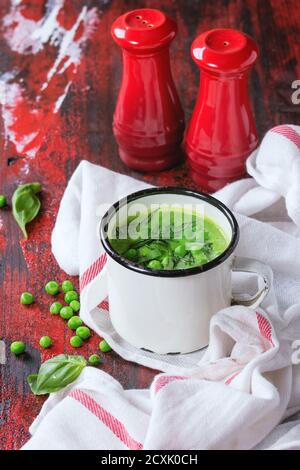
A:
81	129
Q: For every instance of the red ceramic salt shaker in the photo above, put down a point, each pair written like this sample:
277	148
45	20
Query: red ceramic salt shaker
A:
222	132
148	121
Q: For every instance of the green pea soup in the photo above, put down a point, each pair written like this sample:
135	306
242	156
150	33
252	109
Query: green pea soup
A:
169	239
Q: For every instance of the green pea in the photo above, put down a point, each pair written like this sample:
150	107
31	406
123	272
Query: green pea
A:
26	298
76	342
83	332
66	313
74	322
45	342
104	346
17	347
71	295
94	359
55	308
180	250
131	253
144	251
52	287
2	201
154	264
67	286
75	305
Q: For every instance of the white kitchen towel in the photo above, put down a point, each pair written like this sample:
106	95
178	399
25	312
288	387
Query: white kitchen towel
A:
245	384
275	168
239	393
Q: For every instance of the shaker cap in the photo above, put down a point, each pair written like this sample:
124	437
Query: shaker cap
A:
144	30
224	50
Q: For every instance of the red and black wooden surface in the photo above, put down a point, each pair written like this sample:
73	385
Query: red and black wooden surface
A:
37	143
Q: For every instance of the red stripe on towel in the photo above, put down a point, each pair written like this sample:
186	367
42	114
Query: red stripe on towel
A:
92	271
106	418
289	133
231	378
164	380
104	305
265	327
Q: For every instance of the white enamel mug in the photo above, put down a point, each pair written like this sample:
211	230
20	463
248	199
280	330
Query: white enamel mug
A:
169	311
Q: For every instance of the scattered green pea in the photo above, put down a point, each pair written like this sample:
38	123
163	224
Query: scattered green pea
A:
26	298
45	342
55	308
71	295
104	346
2	201
94	359
83	332
180	250
67	286
76	342
75	305
154	264
17	347
66	313
52	287
74	322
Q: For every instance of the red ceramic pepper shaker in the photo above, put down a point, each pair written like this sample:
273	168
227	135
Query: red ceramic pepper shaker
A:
148	120
222	132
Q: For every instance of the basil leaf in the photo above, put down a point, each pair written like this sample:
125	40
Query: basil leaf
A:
168	262
26	204
31	379
56	373
147	253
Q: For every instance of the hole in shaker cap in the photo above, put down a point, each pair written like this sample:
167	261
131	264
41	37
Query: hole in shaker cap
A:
144	18
225	40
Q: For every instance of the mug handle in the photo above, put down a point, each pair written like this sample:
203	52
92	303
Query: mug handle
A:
264	271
